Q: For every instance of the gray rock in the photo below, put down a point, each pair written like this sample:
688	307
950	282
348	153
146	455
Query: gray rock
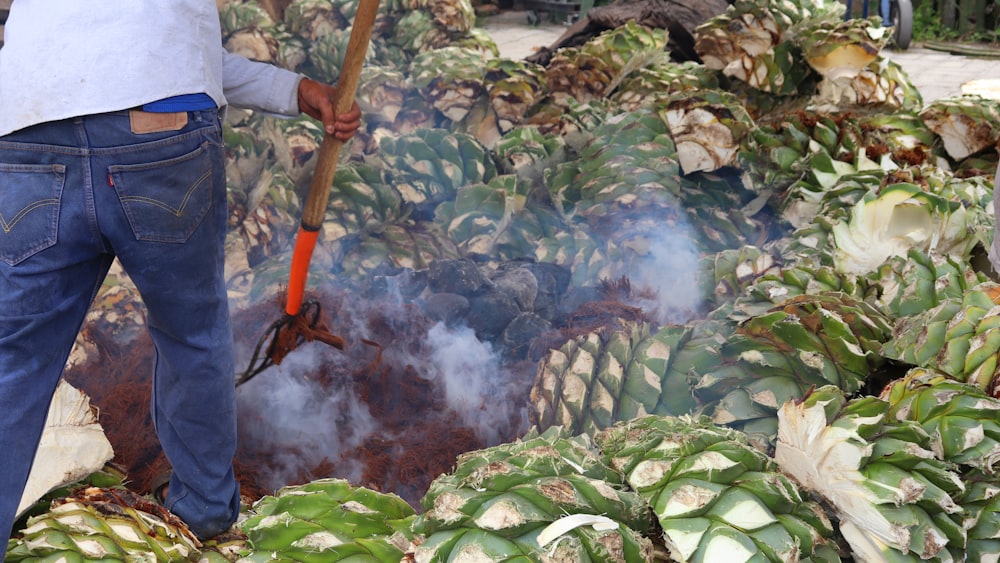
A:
553	281
449	308
520	284
407	284
456	276
490	313
520	333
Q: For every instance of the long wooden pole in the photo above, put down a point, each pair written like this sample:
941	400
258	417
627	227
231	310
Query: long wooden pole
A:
329	155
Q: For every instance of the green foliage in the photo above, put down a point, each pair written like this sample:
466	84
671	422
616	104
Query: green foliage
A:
929	23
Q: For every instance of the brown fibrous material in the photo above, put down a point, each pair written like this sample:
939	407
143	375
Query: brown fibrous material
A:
419	437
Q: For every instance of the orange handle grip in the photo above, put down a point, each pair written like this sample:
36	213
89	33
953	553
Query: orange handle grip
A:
305	242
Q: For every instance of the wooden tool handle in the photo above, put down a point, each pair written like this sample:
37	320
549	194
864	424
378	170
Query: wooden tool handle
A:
347	86
329	155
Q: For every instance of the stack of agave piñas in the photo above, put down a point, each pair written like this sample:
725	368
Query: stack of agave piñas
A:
836	217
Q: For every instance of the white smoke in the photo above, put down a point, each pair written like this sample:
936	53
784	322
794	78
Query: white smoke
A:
670	270
301	420
477	387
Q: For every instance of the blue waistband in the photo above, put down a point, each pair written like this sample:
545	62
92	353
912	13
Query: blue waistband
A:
184	102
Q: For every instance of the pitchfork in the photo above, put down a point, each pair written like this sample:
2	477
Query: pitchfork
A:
302	321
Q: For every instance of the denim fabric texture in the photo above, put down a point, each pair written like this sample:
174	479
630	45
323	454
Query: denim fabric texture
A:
75	194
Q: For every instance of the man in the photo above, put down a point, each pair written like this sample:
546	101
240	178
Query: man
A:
110	146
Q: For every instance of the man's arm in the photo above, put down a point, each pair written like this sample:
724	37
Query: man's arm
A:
259	86
265	87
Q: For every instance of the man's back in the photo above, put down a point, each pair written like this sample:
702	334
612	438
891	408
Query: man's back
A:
64	58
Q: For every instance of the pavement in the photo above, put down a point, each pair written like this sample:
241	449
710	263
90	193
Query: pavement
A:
936	74
516	37
939	74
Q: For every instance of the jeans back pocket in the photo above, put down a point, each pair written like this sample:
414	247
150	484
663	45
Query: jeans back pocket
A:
165	201
30	196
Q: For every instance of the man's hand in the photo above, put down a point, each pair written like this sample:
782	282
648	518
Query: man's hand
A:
316	101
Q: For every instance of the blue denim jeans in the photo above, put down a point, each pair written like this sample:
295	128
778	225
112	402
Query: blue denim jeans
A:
74	194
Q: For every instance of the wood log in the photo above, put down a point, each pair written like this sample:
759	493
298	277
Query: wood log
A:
679	17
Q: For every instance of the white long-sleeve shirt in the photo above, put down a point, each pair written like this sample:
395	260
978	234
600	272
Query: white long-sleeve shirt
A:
66	58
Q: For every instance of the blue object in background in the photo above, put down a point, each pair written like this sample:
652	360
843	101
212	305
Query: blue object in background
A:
883	11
